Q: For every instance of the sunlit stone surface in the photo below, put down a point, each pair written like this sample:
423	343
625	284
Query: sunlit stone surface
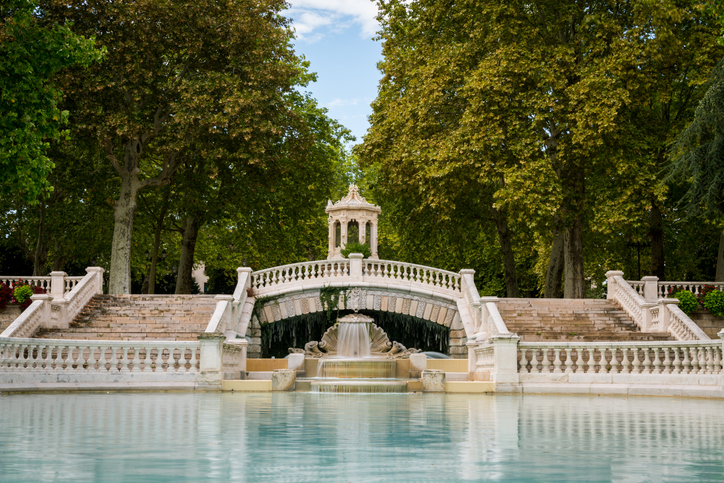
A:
275	437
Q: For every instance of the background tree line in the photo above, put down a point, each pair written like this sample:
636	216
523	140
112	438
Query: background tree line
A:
189	141
536	141
541	143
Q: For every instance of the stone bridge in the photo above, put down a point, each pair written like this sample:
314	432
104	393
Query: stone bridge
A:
446	298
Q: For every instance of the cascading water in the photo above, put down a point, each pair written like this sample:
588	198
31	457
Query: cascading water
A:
354	368
353	339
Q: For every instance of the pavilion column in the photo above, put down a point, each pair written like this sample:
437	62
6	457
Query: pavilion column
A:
373	239
344	233
332	235
362	231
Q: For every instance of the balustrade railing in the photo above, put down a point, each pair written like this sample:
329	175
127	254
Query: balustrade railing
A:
665	289
339	270
42	282
620	357
29	321
71	282
682	327
629	299
104	357
416	274
299	272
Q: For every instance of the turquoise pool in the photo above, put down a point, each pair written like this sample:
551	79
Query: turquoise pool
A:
297	437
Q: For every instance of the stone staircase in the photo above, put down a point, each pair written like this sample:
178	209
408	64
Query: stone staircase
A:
572	320
139	317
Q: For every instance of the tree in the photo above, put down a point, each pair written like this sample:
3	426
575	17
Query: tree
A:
30	56
533	99
699	158
176	74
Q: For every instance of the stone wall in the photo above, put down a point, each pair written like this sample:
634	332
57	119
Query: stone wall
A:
11	312
709	323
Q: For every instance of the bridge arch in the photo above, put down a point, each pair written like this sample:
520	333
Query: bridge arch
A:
424	293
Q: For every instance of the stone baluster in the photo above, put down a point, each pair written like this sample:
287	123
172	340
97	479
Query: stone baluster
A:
557	361
695	363
677	364
636	361
686	369
589	360
667	360
625	363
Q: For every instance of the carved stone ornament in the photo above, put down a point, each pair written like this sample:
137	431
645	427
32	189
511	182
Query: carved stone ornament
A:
380	344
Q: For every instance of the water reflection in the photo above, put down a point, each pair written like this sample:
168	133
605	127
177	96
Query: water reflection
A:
337	437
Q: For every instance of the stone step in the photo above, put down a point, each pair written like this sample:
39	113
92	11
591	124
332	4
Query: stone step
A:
571	320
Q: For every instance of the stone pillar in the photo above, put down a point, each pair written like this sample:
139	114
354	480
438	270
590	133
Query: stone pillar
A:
332	234
284	379
433	380
651	288
646	321
355	266
362	230
472	358
505	375
418	364
57	285
44	309
98	271
665	313
373	240
343	231
611	282
211	365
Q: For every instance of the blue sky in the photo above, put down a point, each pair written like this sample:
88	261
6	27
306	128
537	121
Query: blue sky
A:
335	36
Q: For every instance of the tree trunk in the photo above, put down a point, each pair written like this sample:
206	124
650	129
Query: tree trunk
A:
184	283
720	260
123	211
656	236
506	248
575	286
40	254
157	243
554	273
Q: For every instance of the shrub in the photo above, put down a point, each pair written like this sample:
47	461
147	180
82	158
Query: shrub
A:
6	296
687	301
22	293
705	290
714	302
356	247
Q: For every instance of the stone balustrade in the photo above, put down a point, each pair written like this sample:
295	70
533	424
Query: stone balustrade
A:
642	301
319	273
42	282
57	308
263	281
413	274
620	357
662	290
48	360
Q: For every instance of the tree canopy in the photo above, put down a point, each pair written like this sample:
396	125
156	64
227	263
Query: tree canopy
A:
30	56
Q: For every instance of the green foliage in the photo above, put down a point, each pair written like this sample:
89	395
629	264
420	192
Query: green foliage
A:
687	301
30	56
294	332
714	302
22	293
523	120
330	298
356	247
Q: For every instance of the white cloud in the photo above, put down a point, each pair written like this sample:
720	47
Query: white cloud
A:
310	15
342	103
